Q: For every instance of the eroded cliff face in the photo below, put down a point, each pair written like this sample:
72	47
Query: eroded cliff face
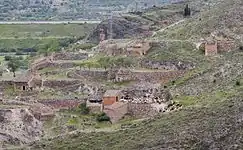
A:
18	126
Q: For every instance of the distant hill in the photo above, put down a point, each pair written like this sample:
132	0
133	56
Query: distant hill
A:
67	9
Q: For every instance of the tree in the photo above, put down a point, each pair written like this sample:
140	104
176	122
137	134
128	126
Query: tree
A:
102	117
187	11
13	65
84	110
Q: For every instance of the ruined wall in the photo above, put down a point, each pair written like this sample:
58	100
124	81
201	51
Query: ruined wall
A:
141	110
156	76
131	75
58	84
99	74
69	56
48	64
61	104
226	45
167	65
116	111
95	109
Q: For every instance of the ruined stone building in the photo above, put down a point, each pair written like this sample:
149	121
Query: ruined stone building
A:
218	42
27	81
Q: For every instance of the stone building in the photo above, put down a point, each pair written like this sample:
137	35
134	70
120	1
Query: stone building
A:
27	81
42	112
139	48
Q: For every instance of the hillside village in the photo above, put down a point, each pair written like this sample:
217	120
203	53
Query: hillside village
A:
143	68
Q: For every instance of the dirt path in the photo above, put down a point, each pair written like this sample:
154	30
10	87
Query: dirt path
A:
170	26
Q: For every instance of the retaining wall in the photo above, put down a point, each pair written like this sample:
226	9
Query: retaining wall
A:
141	110
70	56
58	84
61	104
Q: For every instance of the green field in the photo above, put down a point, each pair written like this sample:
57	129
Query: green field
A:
16	37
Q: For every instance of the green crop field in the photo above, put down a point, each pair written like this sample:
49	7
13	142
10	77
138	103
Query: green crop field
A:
28	36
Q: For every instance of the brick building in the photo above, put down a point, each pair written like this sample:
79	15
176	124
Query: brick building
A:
211	48
111	96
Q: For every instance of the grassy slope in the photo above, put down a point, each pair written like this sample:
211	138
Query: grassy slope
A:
225	17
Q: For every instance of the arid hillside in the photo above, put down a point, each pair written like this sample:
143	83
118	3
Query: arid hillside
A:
210	94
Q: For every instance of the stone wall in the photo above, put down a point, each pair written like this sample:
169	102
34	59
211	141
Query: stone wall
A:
58	84
70	56
99	74
167	65
226	45
116	111
141	110
129	76
156	76
61	104
49	64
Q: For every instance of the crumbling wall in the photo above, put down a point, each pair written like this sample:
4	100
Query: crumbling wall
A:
141	110
167	65
116	111
61	104
58	84
129	76
99	74
69	56
156	76
226	45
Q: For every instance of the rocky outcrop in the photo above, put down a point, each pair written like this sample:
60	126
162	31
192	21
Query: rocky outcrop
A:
121	28
19	126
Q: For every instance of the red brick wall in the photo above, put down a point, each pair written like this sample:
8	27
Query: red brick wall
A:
109	100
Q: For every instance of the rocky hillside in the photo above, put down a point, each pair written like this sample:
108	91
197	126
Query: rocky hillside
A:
225	17
121	28
211	95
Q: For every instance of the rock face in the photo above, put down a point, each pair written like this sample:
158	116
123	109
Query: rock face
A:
121	28
19	126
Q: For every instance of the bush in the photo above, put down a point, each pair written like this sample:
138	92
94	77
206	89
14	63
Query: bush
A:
237	83
84	110
102	117
241	47
7	58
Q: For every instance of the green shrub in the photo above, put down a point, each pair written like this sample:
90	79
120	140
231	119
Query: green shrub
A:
241	47
7	58
84	110
237	83
102	117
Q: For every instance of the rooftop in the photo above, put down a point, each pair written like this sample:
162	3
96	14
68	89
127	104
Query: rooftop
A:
112	93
